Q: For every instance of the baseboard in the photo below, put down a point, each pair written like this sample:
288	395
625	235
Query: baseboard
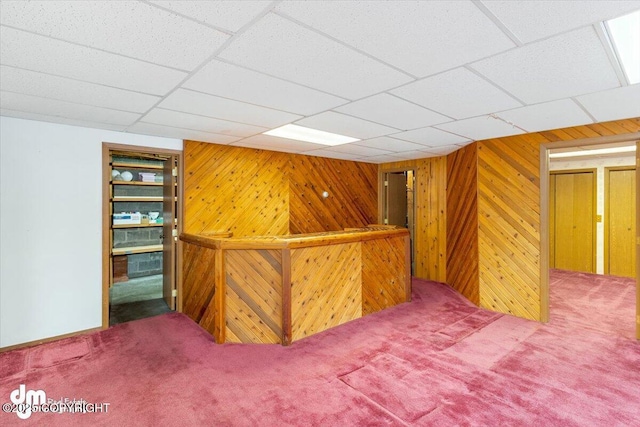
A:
50	339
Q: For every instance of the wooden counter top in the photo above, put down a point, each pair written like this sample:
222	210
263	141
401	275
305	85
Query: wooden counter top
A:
292	241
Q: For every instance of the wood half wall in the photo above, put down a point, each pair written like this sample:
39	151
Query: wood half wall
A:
252	192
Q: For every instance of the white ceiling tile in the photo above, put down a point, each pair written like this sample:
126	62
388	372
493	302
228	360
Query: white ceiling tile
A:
345	125
567	65
479	128
33	52
205	124
268	142
457	93
60	120
444	150
230	15
281	48
413	155
48	86
52	107
386	158
231	81
421	38
550	115
613	104
226	109
173	132
391	111
390	144
331	154
358	150
431	137
129	28
529	20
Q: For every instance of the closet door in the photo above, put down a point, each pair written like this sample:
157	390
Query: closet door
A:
620	227
574	221
169	232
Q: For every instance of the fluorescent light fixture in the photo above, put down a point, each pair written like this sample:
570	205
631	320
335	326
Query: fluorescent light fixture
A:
624	33
301	133
612	150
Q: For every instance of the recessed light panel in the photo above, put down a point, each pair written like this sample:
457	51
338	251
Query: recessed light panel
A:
301	133
624	33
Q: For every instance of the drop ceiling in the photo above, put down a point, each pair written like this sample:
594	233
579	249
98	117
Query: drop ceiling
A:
410	79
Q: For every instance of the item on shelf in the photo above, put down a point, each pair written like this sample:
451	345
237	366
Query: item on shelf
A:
154	215
126	218
126	176
115	173
147	176
159	178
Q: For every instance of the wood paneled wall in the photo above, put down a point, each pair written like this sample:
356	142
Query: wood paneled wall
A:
234	189
352	188
253	192
462	222
430	238
509	226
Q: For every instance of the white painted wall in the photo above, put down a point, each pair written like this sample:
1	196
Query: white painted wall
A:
600	165
50	226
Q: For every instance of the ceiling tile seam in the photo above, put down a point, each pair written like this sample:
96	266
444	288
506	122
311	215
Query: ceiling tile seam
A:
94	48
72	102
611	55
173	12
362	146
211	57
350	115
510	123
226	61
387	136
583	108
497	22
98	125
470	140
210	117
245	102
494	84
348	46
422	106
182	128
394	135
81	80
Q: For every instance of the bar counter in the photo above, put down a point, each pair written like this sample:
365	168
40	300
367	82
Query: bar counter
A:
279	289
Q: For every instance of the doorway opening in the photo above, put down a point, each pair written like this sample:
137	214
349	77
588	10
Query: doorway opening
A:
141	222
398	202
605	164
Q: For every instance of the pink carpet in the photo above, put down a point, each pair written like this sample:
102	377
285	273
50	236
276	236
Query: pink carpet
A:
435	361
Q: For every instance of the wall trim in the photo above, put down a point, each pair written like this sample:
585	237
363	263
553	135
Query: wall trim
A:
48	340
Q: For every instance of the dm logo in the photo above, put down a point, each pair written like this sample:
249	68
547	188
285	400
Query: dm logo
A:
25	400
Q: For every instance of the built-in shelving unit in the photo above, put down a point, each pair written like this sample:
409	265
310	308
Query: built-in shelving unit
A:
136	250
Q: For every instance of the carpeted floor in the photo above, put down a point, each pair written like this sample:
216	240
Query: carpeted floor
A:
435	361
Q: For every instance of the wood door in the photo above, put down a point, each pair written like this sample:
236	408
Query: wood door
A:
637	241
169	240
552	221
620	227
397	199
574	221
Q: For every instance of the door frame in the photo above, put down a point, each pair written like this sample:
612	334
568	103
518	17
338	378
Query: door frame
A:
382	198
544	213
607	207
107	147
594	197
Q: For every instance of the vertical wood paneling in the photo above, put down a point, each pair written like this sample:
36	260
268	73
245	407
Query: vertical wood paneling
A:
352	188
430	233
384	272
253	296
198	285
430	240
462	222
235	189
333	296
